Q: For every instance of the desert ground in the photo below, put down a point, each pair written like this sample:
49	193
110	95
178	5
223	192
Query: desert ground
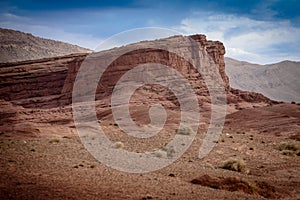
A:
42	157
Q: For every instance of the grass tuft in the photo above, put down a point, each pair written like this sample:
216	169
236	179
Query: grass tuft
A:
185	131
234	165
289	148
54	141
119	145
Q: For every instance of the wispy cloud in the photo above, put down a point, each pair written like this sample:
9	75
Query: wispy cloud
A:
264	10
248	39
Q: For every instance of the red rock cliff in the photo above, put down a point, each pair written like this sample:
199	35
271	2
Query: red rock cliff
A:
49	82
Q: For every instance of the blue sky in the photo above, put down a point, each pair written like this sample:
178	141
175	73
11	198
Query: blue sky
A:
255	31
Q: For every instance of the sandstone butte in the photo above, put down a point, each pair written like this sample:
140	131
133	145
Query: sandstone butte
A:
47	83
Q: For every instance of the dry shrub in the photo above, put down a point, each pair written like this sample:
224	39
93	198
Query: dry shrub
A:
119	145
53	141
289	148
234	165
185	131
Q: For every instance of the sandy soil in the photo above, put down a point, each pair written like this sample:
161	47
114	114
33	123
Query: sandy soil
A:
42	157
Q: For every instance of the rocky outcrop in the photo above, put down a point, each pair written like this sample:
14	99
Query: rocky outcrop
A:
216	50
37	83
49	82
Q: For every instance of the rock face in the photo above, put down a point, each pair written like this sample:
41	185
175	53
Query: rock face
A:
49	82
36	83
216	50
19	46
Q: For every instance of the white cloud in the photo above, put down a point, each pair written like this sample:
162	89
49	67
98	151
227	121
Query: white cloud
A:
9	16
244	38
247	39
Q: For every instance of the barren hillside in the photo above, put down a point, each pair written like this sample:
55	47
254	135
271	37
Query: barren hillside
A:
19	46
279	81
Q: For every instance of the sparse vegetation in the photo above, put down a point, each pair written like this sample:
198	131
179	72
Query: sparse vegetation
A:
288	153
289	148
34	110
234	165
161	154
53	141
165	152
185	131
119	145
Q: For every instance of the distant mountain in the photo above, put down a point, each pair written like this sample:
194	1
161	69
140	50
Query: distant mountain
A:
280	81
19	46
